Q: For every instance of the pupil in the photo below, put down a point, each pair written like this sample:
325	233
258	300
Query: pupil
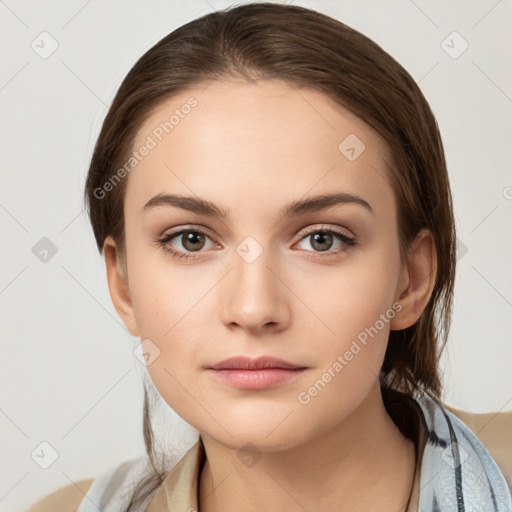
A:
193	239
318	238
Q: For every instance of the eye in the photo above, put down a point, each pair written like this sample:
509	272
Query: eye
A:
192	239
321	239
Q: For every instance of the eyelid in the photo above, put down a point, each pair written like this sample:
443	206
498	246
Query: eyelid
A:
322	227
188	227
301	234
179	231
348	240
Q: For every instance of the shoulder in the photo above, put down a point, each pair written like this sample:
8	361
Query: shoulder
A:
494	430
65	499
110	490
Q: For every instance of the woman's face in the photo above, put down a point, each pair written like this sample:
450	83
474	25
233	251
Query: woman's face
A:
263	279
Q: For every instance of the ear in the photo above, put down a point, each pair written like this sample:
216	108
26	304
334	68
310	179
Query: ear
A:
118	285
416	282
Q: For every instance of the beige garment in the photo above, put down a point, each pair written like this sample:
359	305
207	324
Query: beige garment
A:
179	491
65	499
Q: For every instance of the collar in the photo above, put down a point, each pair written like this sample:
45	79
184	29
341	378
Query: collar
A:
454	471
180	489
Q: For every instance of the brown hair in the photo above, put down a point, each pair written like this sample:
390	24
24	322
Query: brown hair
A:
310	50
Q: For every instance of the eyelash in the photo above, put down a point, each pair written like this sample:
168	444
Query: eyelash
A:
163	242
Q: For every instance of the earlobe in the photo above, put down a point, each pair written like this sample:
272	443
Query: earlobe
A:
416	281
118	286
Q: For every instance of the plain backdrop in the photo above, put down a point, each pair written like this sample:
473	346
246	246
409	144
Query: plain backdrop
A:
69	377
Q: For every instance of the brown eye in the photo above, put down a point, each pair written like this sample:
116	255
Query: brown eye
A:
191	241
322	240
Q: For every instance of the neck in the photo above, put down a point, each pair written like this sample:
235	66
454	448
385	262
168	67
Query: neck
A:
362	463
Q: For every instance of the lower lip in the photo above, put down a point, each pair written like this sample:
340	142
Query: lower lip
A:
258	379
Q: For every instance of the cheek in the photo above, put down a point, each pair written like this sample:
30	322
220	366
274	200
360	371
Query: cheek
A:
345	303
353	346
170	313
351	324
355	329
163	293
171	316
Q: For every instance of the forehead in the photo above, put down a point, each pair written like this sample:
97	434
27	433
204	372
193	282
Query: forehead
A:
264	143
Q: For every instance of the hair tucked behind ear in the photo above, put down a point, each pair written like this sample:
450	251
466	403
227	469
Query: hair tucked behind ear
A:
310	50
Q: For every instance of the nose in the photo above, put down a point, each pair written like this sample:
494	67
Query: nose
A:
254	296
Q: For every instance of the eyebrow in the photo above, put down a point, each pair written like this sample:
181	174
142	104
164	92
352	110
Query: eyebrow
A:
293	209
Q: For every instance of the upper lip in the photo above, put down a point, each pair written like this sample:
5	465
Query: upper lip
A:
246	363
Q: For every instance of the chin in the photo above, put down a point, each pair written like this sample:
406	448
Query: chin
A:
253	438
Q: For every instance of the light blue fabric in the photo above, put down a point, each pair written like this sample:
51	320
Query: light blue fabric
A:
112	490
457	472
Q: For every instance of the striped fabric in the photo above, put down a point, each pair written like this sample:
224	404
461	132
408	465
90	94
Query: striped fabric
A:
457	472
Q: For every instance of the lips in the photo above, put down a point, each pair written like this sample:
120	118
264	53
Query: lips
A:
246	363
257	379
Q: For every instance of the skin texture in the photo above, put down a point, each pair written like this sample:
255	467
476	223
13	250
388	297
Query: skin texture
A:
252	148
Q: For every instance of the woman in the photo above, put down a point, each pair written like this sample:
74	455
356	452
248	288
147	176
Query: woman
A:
269	190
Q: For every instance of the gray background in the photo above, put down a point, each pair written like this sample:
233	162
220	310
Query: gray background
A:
68	374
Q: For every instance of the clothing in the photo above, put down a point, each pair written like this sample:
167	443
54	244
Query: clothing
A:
170	496
454	472
457	472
